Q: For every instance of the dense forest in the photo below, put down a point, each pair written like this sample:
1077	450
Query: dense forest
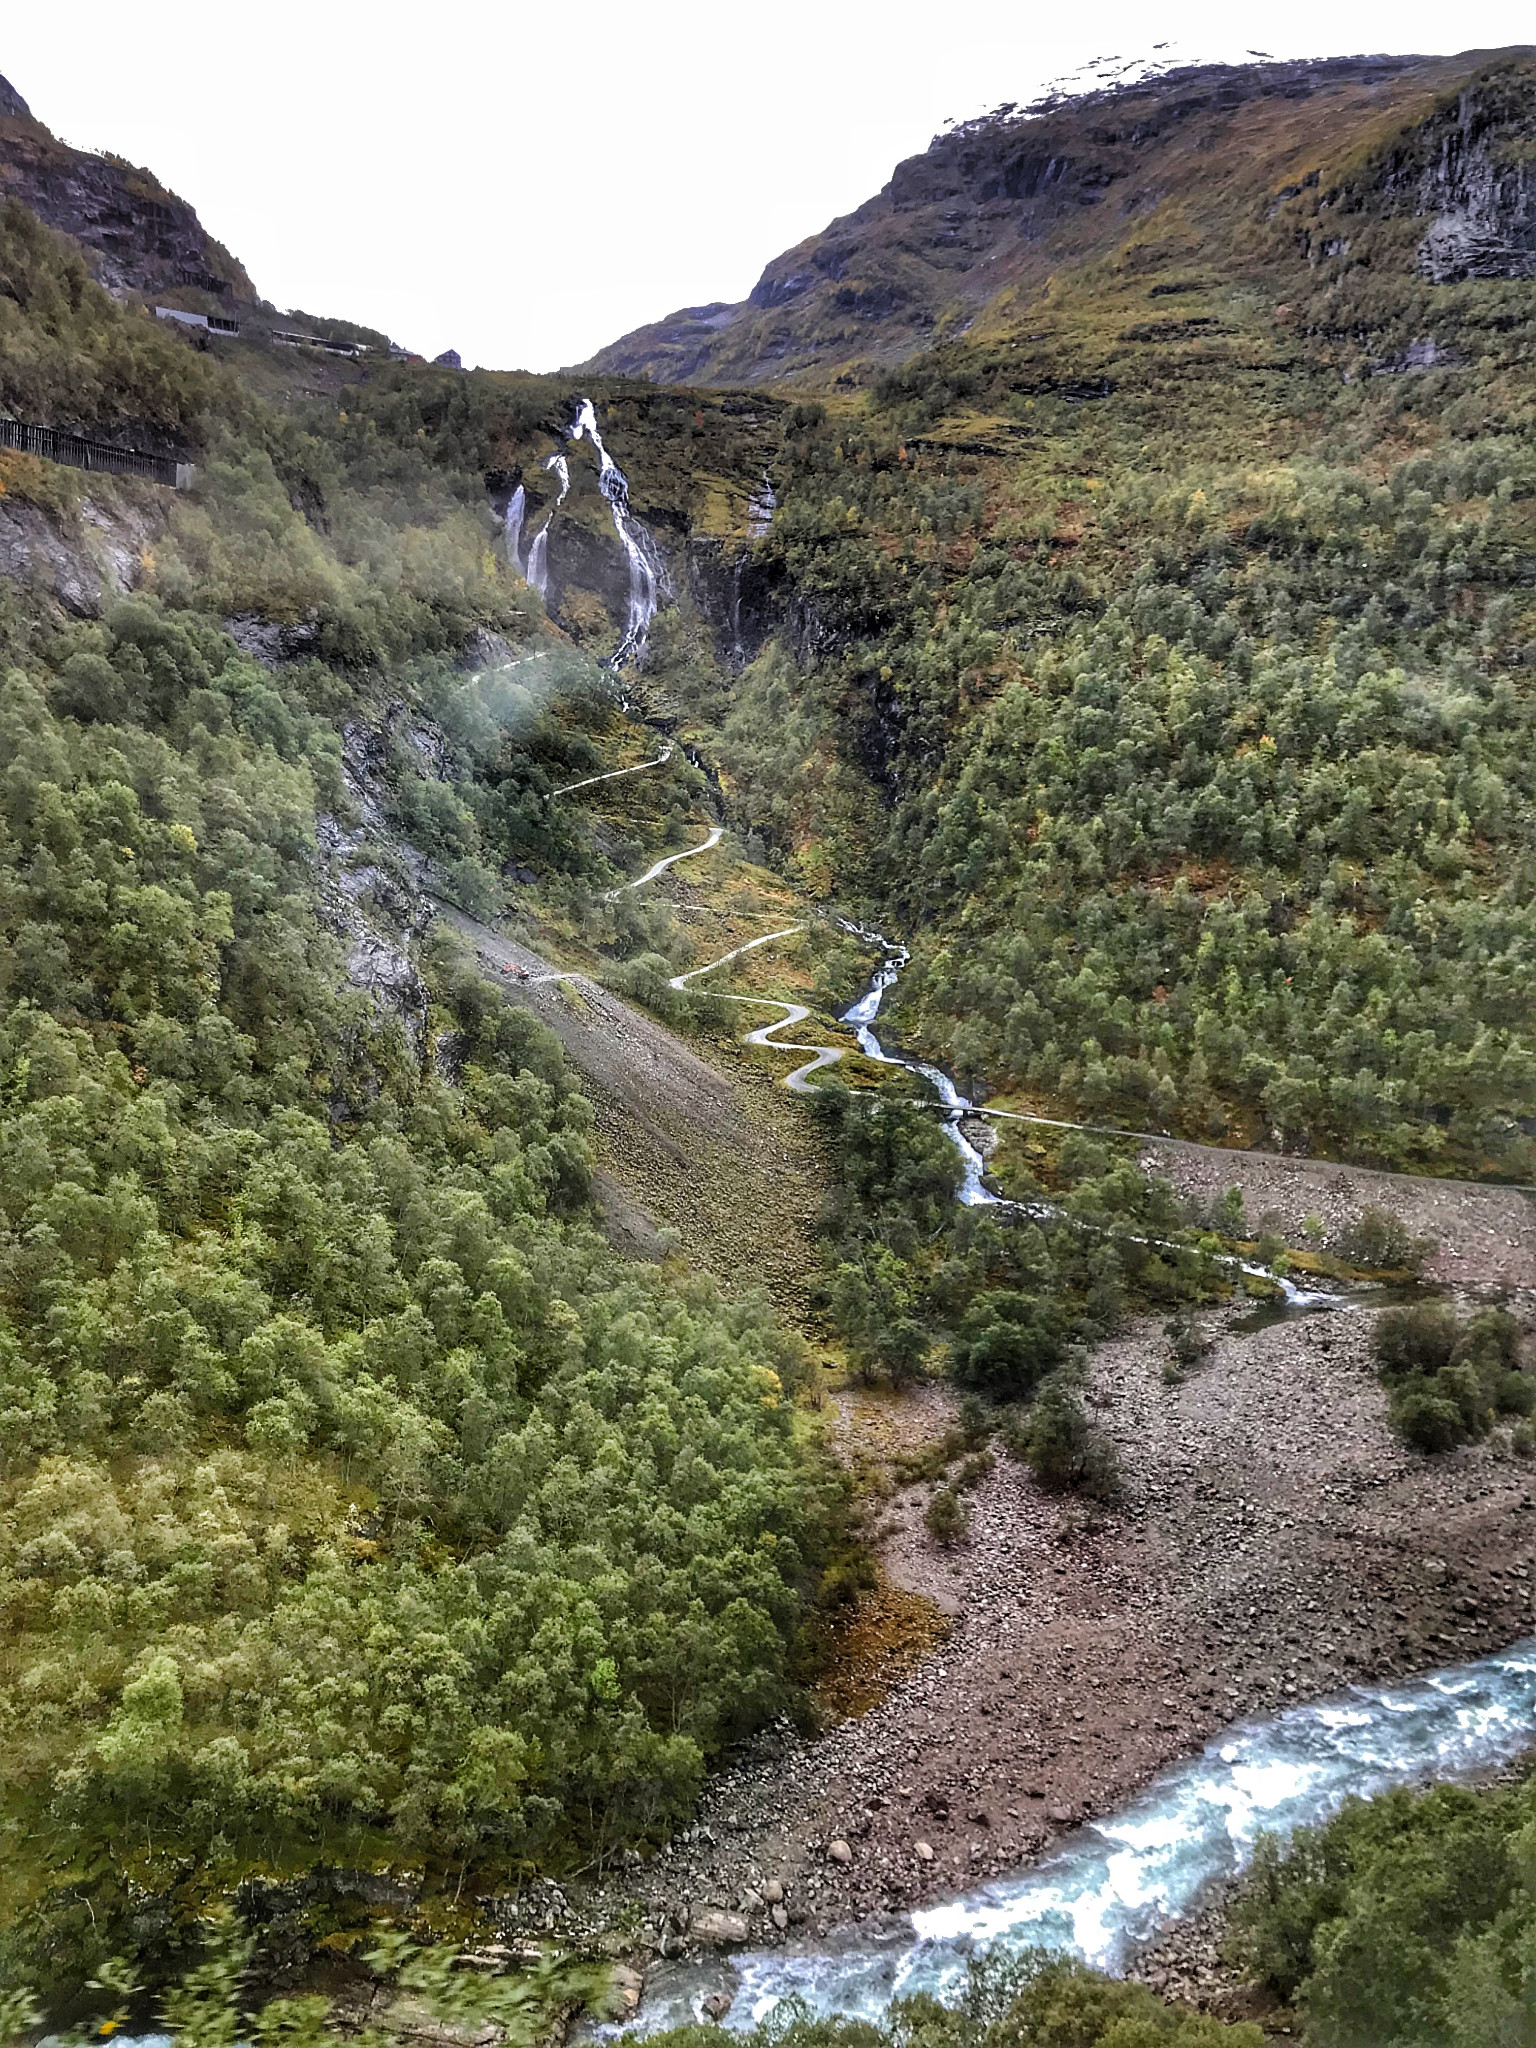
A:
358	1505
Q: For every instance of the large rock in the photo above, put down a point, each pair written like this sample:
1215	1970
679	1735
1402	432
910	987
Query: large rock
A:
137	235
719	1930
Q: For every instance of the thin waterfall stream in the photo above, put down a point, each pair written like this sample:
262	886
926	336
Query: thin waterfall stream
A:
647	574
973	1191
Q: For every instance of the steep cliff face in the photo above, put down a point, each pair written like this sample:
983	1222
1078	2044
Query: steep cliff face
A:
1002	203
1479	179
138	236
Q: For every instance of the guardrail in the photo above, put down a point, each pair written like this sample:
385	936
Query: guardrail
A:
54	446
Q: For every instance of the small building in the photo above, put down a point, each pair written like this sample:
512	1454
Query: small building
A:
214	323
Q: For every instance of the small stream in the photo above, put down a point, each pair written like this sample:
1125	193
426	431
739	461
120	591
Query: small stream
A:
1111	1888
973	1191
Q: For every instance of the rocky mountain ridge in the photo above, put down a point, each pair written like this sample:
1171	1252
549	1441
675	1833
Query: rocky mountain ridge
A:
137	235
991	210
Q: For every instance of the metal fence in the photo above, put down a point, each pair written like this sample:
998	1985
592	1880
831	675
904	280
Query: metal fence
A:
54	446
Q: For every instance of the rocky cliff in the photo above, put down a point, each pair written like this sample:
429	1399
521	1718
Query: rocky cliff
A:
138	236
997	206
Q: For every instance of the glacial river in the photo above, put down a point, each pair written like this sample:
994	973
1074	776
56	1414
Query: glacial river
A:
1111	1888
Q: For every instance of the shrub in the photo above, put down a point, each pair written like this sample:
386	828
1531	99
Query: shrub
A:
944	1518
1420	1339
1382	1242
1449	1380
1425	1419
1063	1449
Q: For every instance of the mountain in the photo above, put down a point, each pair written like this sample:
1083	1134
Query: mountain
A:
1175	173
137	236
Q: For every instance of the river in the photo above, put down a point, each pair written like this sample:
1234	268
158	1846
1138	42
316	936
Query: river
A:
1113	1887
1110	1889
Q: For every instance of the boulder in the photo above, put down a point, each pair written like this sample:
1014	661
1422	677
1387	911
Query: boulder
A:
840	1852
719	1930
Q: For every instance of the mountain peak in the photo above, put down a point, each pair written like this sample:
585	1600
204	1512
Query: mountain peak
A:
12	105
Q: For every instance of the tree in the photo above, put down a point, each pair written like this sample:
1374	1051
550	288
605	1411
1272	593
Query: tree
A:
1007	1343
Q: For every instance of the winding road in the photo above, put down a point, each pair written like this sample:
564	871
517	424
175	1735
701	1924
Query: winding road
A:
612	775
799	1082
717	833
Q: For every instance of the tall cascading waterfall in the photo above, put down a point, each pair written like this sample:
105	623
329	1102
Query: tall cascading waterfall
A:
645	571
517	506
537	572
761	507
647	577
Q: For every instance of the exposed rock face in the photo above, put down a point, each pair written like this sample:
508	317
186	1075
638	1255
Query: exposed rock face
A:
1481	183
138	236
81	560
271	643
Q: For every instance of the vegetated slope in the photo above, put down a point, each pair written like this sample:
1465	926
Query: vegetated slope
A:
993	210
359	1507
1165	664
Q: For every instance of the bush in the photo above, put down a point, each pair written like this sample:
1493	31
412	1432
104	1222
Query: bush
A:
1420	1339
1516	1395
1492	1338
945	1519
1425	1419
1449	1380
1383	1243
1064	1450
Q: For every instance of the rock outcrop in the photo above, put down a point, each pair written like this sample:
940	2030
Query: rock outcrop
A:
1481	185
973	229
138	237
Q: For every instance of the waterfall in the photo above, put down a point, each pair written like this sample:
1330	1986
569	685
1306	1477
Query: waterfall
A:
538	564
645	574
761	507
647	578
517	505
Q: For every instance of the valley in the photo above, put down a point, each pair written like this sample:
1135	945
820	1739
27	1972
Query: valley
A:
767	1116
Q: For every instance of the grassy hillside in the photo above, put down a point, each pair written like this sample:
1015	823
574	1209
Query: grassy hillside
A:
1173	681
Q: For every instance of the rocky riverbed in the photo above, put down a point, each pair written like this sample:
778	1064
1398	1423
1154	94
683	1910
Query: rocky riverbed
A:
1274	1542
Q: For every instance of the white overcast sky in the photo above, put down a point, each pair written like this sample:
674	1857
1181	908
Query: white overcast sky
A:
525	183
